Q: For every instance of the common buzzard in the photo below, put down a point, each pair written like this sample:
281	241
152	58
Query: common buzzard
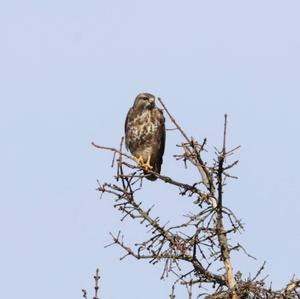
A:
145	133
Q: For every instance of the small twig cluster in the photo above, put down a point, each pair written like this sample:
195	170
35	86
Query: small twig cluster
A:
96	287
196	251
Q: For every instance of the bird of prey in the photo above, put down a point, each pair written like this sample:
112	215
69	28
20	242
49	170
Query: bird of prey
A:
145	133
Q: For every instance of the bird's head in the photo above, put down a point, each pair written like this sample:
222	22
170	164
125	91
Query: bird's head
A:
144	101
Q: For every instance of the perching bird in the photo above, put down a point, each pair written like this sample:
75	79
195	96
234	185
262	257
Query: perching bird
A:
145	133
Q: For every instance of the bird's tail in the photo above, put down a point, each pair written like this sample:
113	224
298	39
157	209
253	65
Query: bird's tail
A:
152	177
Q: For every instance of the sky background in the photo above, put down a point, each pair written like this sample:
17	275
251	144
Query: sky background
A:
70	70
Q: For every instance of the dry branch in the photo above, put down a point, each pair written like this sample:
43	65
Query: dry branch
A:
197	251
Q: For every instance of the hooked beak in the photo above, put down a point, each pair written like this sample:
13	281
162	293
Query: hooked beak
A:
151	102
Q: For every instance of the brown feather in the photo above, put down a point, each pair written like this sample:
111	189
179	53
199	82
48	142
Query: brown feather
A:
145	133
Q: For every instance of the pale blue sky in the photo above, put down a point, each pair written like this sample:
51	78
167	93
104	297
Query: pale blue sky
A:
69	71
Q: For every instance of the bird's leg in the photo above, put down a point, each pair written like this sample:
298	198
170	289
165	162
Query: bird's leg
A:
139	160
147	164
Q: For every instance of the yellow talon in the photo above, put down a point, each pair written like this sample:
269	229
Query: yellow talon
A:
140	162
147	165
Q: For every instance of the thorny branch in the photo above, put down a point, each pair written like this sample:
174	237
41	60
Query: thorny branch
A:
197	251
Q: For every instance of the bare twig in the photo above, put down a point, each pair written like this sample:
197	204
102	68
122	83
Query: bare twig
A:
96	287
225	252
84	293
198	161
97	278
